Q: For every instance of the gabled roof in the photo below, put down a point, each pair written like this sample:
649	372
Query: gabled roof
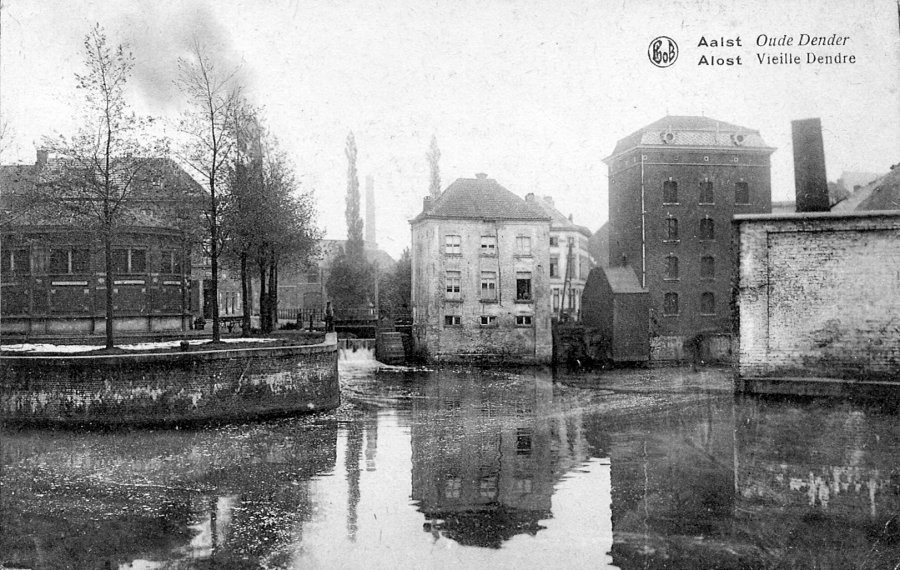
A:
481	199
558	220
691	131
623	279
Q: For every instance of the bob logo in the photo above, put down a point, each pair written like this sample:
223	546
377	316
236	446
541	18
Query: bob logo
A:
663	51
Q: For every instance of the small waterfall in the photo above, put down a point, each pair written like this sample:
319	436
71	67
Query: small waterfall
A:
356	350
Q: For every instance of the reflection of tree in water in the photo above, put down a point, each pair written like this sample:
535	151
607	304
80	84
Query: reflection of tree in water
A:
486	454
101	500
351	464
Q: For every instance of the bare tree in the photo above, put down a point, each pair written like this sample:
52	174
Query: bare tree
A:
101	167
214	99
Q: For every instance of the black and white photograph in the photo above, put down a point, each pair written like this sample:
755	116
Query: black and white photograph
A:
438	284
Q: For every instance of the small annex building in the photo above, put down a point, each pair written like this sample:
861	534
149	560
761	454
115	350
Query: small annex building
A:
480	276
616	312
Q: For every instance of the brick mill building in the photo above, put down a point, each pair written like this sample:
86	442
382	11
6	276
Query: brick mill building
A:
674	187
480	275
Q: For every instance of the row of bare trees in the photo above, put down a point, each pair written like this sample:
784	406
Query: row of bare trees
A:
254	216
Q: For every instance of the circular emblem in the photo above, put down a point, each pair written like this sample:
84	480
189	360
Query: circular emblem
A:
663	51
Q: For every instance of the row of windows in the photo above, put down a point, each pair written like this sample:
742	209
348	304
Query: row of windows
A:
453	289
707	304
706	193
453	245
707	267
487	320
573	299
78	260
707	229
579	271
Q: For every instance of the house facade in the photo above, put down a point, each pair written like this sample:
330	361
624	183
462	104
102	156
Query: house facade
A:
674	187
481	276
570	259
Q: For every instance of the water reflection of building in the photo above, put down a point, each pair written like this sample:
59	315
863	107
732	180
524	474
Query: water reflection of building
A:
169	496
822	483
486	456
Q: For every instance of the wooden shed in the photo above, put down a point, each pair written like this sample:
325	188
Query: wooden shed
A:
617	309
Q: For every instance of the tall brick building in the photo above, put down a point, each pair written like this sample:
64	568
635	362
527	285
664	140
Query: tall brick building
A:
480	275
674	186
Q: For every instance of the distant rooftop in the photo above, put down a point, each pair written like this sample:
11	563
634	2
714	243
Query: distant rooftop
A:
690	131
481	198
558	220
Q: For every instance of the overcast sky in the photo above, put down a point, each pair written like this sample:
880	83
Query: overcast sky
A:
533	93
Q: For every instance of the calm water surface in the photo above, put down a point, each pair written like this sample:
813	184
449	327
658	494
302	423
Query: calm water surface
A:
472	469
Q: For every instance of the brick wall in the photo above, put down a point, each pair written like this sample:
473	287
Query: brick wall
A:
819	295
166	388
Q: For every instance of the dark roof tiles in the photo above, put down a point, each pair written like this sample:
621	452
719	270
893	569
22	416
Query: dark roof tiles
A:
481	199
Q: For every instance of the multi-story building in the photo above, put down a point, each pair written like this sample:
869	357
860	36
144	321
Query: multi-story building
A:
570	260
674	186
481	275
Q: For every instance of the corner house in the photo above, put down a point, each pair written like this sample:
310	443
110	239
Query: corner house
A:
52	265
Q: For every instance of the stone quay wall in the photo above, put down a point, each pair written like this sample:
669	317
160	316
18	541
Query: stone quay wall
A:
169	388
819	297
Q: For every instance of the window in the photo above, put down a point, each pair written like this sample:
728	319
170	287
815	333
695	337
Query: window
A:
670	192
672	229
487	487
706	192
17	261
488	285
741	193
452	284
452	320
487	320
554	267
488	245
671	267
523	441
129	260
523	245
556	299
452	487
523	320
69	261
707	229
554	241
707	304
452	245
707	267
670	304
170	262
312	276
571	298
523	286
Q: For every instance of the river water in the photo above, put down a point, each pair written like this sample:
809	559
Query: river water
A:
469	468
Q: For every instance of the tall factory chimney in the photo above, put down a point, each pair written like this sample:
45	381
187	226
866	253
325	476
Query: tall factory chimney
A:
370	212
810	182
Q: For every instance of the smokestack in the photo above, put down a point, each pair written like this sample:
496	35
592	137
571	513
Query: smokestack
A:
370	212
810	182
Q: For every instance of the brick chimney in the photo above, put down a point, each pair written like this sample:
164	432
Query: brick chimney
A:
810	183
427	203
481	176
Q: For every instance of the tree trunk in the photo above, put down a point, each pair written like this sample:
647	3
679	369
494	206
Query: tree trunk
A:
214	260
245	296
273	292
263	298
108	281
